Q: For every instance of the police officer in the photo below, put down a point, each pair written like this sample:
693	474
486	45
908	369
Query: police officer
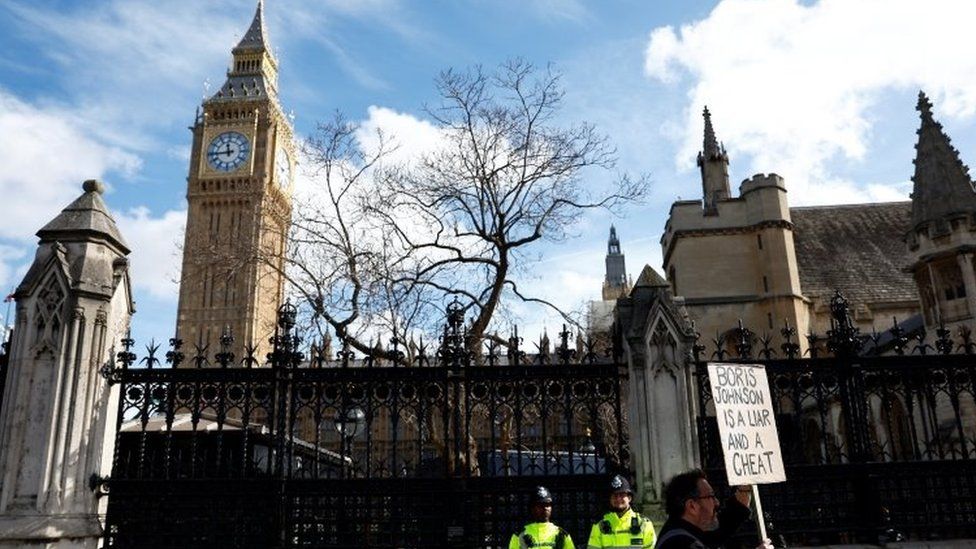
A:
622	527
540	532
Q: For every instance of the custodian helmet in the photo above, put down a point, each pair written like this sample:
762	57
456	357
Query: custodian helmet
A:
620	484
540	495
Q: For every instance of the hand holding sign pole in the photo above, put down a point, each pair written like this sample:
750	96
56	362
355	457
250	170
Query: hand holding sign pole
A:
747	428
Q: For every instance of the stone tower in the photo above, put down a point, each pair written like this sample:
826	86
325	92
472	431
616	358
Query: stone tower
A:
714	164
734	258
57	422
615	285
941	239
239	195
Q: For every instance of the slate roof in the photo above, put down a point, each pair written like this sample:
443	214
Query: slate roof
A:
242	87
857	249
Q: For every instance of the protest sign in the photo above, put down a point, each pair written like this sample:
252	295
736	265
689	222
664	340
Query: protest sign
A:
746	424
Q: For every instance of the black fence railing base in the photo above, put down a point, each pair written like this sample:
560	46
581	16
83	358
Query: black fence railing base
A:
337	514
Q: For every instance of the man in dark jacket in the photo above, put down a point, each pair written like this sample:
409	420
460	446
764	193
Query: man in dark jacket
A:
695	518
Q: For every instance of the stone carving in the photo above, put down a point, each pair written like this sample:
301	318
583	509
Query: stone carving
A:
664	350
48	313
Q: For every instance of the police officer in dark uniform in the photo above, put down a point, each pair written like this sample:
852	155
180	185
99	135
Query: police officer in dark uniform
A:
540	532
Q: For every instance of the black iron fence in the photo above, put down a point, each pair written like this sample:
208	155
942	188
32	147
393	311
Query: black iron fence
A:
876	447
347	451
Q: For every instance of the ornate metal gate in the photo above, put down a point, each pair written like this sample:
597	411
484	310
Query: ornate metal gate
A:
876	447
436	451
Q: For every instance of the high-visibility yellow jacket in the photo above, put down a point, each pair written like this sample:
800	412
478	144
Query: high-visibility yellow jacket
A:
628	531
541	534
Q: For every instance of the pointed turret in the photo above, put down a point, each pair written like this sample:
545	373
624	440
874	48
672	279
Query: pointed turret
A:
254	70
714	164
942	185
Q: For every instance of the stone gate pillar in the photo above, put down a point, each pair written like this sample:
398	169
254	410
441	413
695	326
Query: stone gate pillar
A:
57	421
658	338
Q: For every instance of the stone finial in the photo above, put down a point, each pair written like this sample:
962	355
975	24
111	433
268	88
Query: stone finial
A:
93	186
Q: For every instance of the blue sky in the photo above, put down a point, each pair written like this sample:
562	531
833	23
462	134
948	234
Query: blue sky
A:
821	92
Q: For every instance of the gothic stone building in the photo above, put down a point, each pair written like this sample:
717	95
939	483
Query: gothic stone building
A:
754	258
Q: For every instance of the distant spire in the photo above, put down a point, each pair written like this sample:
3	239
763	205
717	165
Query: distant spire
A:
714	164
256	37
942	185
615	283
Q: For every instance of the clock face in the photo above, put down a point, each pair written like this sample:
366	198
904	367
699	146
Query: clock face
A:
282	167
228	151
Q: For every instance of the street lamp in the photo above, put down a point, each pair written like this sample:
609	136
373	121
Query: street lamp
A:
348	422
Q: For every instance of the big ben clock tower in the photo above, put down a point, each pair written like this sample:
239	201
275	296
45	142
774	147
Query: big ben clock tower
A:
239	195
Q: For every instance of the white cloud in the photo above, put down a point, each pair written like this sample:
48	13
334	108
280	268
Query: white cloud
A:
790	85
44	161
405	138
156	255
409	137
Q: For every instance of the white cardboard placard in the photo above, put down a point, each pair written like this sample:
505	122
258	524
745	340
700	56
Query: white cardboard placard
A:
746	424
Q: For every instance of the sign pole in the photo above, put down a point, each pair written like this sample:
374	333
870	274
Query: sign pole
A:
761	521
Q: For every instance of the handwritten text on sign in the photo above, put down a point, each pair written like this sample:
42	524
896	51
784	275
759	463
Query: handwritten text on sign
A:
746	423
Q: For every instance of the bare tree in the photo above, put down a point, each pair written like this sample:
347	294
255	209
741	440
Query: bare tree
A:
340	261
397	240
